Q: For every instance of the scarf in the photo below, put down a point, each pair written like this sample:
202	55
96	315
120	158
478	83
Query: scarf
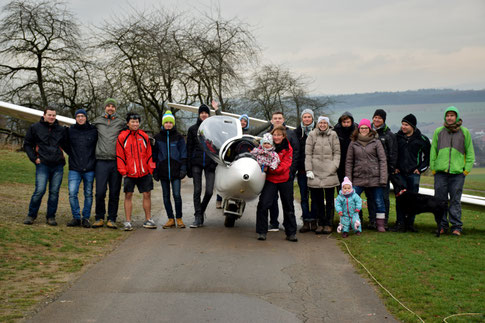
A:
364	140
454	127
307	129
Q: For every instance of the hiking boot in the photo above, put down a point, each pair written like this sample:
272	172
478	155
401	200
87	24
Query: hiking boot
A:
319	230
110	224
127	226
261	236
74	223
170	224
274	228
345	235
51	221
98	223
411	229
399	227
291	238
305	227
456	233
218	204
29	220
327	229
180	223
149	224
372	225
313	225
197	222
85	223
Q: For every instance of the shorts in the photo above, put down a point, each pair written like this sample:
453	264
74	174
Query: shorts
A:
144	184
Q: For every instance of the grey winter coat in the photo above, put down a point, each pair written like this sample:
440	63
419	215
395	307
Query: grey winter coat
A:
366	166
108	131
322	157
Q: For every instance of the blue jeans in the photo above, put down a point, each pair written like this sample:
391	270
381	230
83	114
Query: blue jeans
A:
376	197
411	183
176	196
74	180
44	174
451	184
305	207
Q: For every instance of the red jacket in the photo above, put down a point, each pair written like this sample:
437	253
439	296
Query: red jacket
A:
134	154
282	173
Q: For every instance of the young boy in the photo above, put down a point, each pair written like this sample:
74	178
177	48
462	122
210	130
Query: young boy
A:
170	156
134	161
348	205
265	154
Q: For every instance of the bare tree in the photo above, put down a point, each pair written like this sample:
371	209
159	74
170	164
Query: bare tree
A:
35	37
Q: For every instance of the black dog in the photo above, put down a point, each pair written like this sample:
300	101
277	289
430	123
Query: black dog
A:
414	203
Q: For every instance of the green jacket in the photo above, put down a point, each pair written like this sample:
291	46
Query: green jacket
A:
452	152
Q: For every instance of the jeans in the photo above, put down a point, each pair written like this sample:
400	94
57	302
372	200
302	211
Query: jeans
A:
44	174
411	184
107	177
266	200
324	211
209	188
371	204
375	196
176	197
74	180
305	207
451	184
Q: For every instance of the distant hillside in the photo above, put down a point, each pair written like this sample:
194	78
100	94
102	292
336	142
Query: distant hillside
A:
426	96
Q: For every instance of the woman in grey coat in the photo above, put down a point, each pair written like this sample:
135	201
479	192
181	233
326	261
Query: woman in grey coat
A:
322	158
366	167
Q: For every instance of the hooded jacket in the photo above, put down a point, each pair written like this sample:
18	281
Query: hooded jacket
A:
413	152
282	173
170	155
389	142
109	128
452	152
348	205
46	141
196	155
134	154
82	147
322	152
302	137
344	134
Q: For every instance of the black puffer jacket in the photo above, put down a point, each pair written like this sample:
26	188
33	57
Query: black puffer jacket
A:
413	152
302	137
46	141
196	156
344	134
389	142
82	147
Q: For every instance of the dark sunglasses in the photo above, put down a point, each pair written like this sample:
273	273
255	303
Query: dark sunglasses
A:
134	116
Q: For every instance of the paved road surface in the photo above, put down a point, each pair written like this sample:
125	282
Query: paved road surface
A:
218	274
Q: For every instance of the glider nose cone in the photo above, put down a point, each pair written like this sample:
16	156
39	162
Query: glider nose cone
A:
246	177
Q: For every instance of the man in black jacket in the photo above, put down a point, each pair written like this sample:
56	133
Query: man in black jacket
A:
42	144
388	140
413	151
82	138
344	129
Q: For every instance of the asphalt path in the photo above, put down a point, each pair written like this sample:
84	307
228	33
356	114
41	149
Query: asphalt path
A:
218	274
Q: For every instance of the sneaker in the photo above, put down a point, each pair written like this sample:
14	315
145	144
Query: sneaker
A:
261	236
170	224
74	223
51	222
218	204
197	223
274	228
456	233
29	220
149	224
127	226
180	224
85	223
112	225
98	223
291	238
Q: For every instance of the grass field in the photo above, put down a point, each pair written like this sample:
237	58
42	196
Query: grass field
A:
434	277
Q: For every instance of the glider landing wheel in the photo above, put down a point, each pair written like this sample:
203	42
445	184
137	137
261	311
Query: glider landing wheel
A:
230	217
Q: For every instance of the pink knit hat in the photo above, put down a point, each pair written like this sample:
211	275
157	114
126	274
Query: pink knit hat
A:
347	182
364	122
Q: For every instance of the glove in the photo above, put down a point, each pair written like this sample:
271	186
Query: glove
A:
340	227
183	173
310	175
357	225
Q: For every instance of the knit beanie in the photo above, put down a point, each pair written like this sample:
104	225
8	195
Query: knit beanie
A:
168	117
381	113
309	112
204	108
110	101
267	138
323	118
245	117
364	122
410	119
80	111
347	182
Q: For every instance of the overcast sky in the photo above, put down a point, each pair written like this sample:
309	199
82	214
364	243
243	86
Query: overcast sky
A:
350	46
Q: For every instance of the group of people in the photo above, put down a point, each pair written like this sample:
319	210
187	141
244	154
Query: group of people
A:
354	157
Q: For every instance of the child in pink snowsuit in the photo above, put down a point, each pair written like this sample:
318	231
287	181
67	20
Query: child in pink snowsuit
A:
265	154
